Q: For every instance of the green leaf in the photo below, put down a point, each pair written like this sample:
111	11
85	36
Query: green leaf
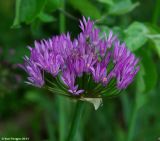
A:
136	35
154	36
86	8
27	11
122	7
109	2
148	72
141	96
44	17
146	78
52	5
140	80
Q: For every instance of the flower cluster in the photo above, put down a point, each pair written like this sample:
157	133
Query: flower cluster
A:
87	65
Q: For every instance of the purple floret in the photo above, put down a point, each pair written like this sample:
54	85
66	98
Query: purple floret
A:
35	76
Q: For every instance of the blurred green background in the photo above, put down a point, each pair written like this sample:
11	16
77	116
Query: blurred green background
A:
26	111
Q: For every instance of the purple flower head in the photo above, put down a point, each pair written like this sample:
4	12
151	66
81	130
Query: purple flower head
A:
79	62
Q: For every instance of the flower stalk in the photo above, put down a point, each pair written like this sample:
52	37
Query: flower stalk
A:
61	100
76	120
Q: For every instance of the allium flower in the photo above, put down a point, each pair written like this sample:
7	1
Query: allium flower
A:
88	66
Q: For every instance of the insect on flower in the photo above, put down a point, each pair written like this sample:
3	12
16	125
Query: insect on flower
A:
88	66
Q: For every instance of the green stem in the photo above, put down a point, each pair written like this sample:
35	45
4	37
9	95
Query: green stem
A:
16	21
156	12
75	121
61	100
132	124
50	127
62	118
62	17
